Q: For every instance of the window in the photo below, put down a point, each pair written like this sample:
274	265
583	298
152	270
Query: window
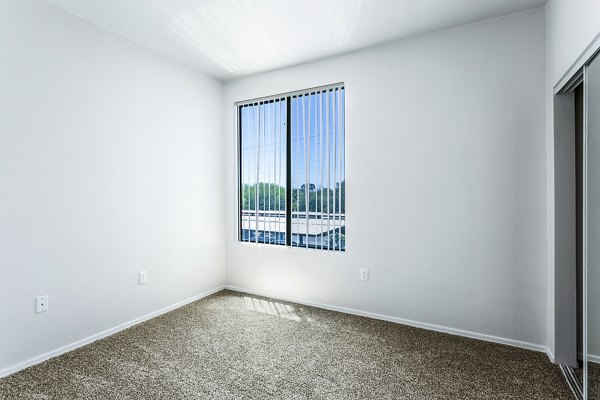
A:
291	169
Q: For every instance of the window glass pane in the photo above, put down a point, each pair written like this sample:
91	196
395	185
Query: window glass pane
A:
263	172
318	170
315	181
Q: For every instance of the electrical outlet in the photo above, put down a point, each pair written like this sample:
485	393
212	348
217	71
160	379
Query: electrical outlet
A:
142	278
364	274
41	304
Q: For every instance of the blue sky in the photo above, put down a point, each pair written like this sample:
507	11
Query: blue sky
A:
313	130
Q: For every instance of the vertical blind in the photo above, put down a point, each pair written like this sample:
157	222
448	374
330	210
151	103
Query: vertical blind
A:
292	169
263	170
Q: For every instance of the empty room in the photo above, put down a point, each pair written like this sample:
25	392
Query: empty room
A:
300	199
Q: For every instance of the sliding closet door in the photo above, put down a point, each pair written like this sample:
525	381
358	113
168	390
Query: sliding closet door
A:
592	81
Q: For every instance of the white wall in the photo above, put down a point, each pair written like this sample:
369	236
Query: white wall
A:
446	175
109	160
571	26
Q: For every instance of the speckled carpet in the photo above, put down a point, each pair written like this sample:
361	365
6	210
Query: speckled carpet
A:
236	346
594	378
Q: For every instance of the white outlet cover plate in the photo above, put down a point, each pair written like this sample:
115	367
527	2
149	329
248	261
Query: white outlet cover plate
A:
142	277
41	304
364	274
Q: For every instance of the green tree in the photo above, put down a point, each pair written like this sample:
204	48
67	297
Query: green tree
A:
271	196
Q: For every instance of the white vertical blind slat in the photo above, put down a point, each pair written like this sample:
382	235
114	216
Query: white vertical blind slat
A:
338	112
327	131
279	172
257	189
267	213
294	165
335	170
307	167
343	151
321	163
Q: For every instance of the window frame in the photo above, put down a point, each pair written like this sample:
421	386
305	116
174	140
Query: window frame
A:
287	97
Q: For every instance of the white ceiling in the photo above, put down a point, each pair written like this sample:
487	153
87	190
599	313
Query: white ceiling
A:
233	38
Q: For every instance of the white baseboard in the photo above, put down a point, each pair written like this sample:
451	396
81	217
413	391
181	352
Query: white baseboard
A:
64	349
416	324
550	355
594	359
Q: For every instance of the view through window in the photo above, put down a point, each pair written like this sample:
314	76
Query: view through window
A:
292	170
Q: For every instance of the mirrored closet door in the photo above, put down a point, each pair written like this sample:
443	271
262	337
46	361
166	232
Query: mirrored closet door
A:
592	230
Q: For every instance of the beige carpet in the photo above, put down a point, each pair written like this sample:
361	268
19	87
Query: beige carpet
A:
236	346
